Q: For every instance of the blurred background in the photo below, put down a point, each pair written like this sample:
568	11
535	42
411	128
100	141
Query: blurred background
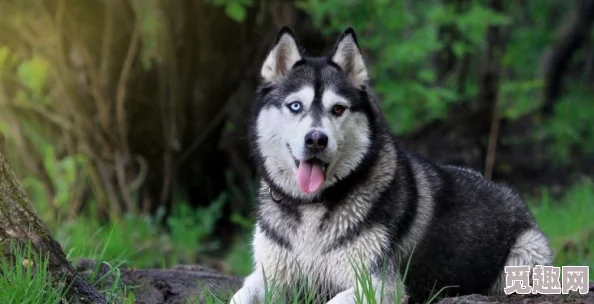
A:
126	120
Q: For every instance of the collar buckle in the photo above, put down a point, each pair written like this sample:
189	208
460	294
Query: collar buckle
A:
275	196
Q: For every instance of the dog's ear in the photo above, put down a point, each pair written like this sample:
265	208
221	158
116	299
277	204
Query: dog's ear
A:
347	55
282	57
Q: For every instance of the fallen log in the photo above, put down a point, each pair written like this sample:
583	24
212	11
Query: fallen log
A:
194	284
180	284
571	298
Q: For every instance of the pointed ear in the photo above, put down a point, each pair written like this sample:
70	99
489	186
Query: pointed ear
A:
348	57
282	57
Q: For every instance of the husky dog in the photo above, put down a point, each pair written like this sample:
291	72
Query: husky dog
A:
337	190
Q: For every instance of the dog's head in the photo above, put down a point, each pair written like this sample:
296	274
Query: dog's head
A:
313	117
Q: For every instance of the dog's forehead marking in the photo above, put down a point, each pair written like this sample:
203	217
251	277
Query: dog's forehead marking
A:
305	95
330	98
318	86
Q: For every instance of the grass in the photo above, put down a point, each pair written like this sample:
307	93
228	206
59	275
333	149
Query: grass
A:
27	279
299	293
567	222
140	241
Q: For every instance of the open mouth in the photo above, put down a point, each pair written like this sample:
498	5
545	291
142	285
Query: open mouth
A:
314	160
311	174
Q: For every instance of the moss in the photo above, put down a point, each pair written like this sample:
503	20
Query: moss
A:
16	209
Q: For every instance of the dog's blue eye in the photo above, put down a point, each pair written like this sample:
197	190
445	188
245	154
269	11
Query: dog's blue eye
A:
295	106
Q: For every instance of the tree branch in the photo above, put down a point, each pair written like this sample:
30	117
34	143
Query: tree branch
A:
489	85
574	31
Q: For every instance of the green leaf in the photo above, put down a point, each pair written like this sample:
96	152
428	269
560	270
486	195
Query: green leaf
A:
4	53
34	73
459	49
427	75
235	11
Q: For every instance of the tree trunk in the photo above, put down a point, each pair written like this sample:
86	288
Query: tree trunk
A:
489	87
20	225
574	31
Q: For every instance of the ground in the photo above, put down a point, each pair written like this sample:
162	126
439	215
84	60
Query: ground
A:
177	285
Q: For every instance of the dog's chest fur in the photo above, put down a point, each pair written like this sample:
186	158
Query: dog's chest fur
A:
319	243
314	250
324	243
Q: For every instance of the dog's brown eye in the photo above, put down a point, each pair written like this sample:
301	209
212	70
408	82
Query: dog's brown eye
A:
338	110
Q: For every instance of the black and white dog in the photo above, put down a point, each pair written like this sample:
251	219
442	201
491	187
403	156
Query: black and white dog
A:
337	187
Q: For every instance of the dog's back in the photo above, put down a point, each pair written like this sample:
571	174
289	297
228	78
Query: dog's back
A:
478	227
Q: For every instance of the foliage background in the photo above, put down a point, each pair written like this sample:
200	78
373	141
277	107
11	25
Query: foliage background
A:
126	120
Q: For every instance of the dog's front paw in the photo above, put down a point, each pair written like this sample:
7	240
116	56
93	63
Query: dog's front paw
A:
345	297
348	297
245	296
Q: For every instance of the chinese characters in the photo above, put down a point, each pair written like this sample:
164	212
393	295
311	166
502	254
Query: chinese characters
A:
546	279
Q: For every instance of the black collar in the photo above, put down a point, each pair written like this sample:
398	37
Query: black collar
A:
278	197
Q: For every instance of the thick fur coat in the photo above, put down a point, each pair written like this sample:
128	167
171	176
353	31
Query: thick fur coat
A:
339	197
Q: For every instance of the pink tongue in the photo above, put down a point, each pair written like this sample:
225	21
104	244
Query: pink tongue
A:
310	176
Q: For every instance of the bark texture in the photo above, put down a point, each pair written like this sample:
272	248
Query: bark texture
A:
19	225
524	299
574	32
180	284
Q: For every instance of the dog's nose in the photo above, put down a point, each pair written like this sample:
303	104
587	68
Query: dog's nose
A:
316	141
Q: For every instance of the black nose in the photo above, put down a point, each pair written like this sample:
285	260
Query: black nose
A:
316	141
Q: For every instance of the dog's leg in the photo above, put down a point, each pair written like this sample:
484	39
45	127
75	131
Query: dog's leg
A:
530	249
345	297
253	289
386	291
